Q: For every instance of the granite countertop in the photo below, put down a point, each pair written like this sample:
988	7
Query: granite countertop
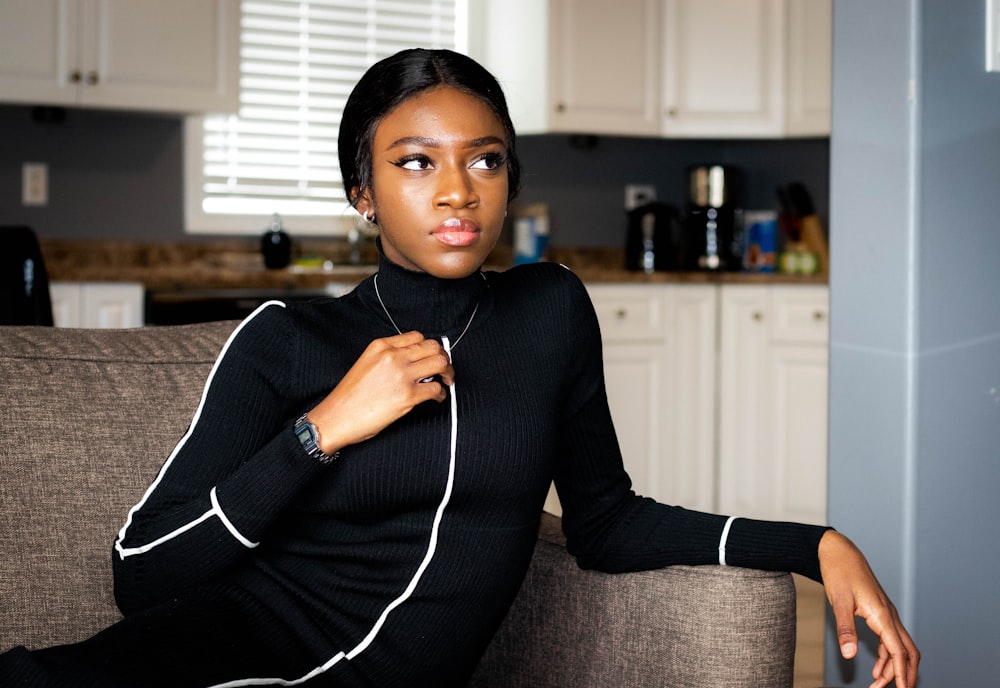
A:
237	264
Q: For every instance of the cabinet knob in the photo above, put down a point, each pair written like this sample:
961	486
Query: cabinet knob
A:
560	107
621	313
75	76
819	316
757	316
672	112
92	78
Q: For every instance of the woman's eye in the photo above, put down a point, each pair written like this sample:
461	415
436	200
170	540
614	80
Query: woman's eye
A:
490	161
414	162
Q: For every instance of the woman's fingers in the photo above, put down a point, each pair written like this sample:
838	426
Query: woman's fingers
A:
854	592
391	376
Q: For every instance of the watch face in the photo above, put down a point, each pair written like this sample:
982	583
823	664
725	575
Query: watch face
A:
305	434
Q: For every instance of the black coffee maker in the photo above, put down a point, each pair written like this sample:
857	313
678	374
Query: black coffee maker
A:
713	218
654	238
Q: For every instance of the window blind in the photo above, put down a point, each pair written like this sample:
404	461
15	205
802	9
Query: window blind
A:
299	60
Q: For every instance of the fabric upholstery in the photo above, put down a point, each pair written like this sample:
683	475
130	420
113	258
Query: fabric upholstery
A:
88	416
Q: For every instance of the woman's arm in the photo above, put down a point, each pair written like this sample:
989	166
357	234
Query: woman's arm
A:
609	528
229	477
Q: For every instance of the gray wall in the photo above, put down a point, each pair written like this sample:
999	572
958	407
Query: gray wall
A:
119	176
111	175
915	330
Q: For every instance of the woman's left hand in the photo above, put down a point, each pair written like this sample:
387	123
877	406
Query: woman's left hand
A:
854	591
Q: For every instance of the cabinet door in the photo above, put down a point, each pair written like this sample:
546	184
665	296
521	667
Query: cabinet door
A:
604	66
773	402
67	308
180	56
99	305
635	376
113	305
798	431
659	366
687	476
745	477
38	51
810	45
723	67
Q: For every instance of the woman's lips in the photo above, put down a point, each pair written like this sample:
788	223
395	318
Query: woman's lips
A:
457	232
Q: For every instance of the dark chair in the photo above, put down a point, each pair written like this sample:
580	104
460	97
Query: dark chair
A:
24	283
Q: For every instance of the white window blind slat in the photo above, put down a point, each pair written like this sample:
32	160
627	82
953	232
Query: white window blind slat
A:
299	60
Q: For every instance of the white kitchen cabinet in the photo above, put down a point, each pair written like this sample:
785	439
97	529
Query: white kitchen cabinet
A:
158	55
98	304
591	91
581	66
675	68
659	364
773	401
748	68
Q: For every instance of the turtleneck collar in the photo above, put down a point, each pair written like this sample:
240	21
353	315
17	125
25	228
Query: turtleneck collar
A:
418	301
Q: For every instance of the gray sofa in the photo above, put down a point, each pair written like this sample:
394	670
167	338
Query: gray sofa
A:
87	416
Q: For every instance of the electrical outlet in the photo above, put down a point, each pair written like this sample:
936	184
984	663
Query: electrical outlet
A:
35	184
638	194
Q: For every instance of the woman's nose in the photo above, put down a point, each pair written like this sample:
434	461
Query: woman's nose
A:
456	189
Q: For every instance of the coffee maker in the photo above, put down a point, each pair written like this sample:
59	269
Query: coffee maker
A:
654	238
713	218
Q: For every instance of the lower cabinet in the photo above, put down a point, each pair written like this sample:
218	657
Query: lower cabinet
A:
718	394
660	372
773	402
98	304
659	366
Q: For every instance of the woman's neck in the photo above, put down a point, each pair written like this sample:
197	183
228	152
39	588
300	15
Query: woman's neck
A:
410	300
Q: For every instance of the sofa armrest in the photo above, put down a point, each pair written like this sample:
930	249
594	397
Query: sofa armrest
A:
682	626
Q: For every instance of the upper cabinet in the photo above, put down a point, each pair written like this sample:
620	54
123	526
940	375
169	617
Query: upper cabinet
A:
158	55
603	66
674	68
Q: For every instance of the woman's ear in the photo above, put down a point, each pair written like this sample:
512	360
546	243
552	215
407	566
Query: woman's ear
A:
363	203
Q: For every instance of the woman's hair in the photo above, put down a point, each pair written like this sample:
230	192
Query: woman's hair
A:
390	82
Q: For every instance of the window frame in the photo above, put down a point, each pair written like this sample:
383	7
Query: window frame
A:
198	222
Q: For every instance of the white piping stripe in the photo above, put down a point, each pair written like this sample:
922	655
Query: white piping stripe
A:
130	551
227	523
428	557
127	551
722	540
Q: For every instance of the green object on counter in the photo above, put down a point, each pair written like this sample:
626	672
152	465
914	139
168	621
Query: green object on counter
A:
799	262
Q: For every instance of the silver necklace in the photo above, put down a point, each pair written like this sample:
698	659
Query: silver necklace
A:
399	331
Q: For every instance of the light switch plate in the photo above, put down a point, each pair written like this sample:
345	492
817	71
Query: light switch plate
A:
35	184
993	35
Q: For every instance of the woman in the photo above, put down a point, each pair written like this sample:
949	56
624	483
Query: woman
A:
356	500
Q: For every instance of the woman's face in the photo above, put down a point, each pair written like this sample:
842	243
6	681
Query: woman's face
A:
440	182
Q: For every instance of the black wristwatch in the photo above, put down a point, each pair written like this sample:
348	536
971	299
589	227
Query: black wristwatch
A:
308	436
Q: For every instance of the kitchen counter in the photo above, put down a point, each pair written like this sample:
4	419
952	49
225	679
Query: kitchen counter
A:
237	264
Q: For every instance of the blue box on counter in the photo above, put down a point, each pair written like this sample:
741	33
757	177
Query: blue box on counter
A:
760	241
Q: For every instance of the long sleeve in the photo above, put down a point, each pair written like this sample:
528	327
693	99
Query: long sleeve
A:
230	476
610	528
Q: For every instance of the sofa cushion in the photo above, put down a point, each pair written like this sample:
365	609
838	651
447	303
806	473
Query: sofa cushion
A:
683	627
86	419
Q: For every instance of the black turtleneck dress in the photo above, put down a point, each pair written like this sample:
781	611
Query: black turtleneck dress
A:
249	563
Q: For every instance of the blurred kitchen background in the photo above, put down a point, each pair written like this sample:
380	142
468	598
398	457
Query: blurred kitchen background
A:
731	388
115	175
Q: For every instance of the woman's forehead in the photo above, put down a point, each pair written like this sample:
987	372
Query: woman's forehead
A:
440	113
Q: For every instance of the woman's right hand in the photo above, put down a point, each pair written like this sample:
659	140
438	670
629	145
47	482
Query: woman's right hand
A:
382	386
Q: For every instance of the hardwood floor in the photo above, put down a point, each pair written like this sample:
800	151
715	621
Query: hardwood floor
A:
810	621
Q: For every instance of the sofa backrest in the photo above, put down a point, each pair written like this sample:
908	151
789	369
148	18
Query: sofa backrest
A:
86	419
